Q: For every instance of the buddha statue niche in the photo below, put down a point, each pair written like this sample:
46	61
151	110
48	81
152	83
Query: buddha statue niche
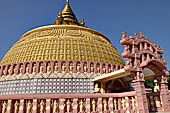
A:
49	67
15	69
78	68
96	88
41	68
56	67
34	68
21	69
9	70
63	67
98	68
104	69
92	68
71	67
27	68
85	67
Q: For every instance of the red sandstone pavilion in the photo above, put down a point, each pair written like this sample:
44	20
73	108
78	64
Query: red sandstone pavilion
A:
70	68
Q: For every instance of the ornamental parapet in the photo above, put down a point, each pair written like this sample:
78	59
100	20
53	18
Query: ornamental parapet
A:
49	67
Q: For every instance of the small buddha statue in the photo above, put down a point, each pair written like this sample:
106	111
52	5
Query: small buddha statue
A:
71	67
4	107
49	68
81	105
27	69
41	68
78	68
21	69
92	69
34	68
55	106
9	70
105	105
93	105
15	70
68	104
85	68
28	107
96	88
16	107
63	68
56	69
42	106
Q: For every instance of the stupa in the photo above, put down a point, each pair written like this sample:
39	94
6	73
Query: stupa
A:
69	68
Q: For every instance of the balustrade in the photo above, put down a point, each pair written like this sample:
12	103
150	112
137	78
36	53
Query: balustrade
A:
70	103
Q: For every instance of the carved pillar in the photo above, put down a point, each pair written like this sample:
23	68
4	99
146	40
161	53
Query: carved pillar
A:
9	107
164	93
119	104
21	106
45	66
61	106
99	105
140	92
128	104
59	66
87	105
110	105
34	104
75	105
48	105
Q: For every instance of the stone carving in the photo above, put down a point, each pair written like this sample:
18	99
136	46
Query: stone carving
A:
68	105
96	88
42	106
93	105
105	105
4	107
28	107
81	105
55	106
16	107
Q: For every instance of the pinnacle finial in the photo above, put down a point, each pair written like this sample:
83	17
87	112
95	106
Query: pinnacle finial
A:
67	1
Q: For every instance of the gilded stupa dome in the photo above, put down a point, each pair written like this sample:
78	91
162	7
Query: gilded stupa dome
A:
66	40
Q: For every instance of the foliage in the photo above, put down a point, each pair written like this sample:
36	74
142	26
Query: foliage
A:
149	84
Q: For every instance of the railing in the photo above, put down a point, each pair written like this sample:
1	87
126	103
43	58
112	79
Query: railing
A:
70	103
154	102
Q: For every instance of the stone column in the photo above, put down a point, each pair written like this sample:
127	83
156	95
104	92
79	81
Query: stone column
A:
34	104
75	105
164	93
61	106
48	105
139	87
99	105
110	105
87	106
9	107
21	106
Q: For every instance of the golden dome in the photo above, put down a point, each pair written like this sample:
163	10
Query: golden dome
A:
65	40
